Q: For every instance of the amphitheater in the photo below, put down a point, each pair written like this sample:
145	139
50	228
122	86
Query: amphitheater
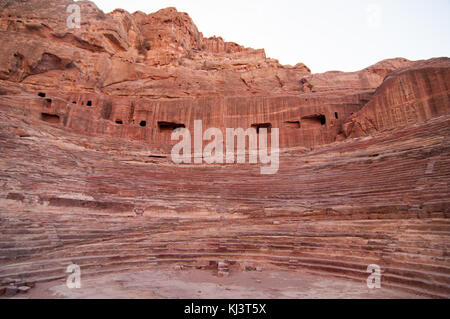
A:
86	117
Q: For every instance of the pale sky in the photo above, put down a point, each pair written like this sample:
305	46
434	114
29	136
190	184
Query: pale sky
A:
326	35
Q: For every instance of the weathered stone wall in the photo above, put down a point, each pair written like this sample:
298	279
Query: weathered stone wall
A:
306	122
406	97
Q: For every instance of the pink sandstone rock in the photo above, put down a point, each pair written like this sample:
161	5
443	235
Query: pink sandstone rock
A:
86	117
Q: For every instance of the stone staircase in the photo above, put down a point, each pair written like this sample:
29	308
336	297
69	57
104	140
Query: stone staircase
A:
330	212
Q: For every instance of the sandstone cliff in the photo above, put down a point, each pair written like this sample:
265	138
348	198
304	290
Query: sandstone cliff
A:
121	74
85	122
407	96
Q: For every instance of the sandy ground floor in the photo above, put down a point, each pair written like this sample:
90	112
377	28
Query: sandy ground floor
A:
201	284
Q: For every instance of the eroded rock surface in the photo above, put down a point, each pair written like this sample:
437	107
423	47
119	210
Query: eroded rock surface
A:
85	122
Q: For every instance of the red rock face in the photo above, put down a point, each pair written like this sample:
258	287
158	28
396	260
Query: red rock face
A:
141	68
86	117
406	97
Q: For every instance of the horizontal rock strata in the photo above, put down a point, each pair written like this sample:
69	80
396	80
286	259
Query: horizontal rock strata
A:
86	117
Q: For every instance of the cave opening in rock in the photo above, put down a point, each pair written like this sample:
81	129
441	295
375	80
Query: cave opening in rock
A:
120	122
41	94
268	126
169	126
50	118
292	124
336	115
89	103
316	120
143	123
